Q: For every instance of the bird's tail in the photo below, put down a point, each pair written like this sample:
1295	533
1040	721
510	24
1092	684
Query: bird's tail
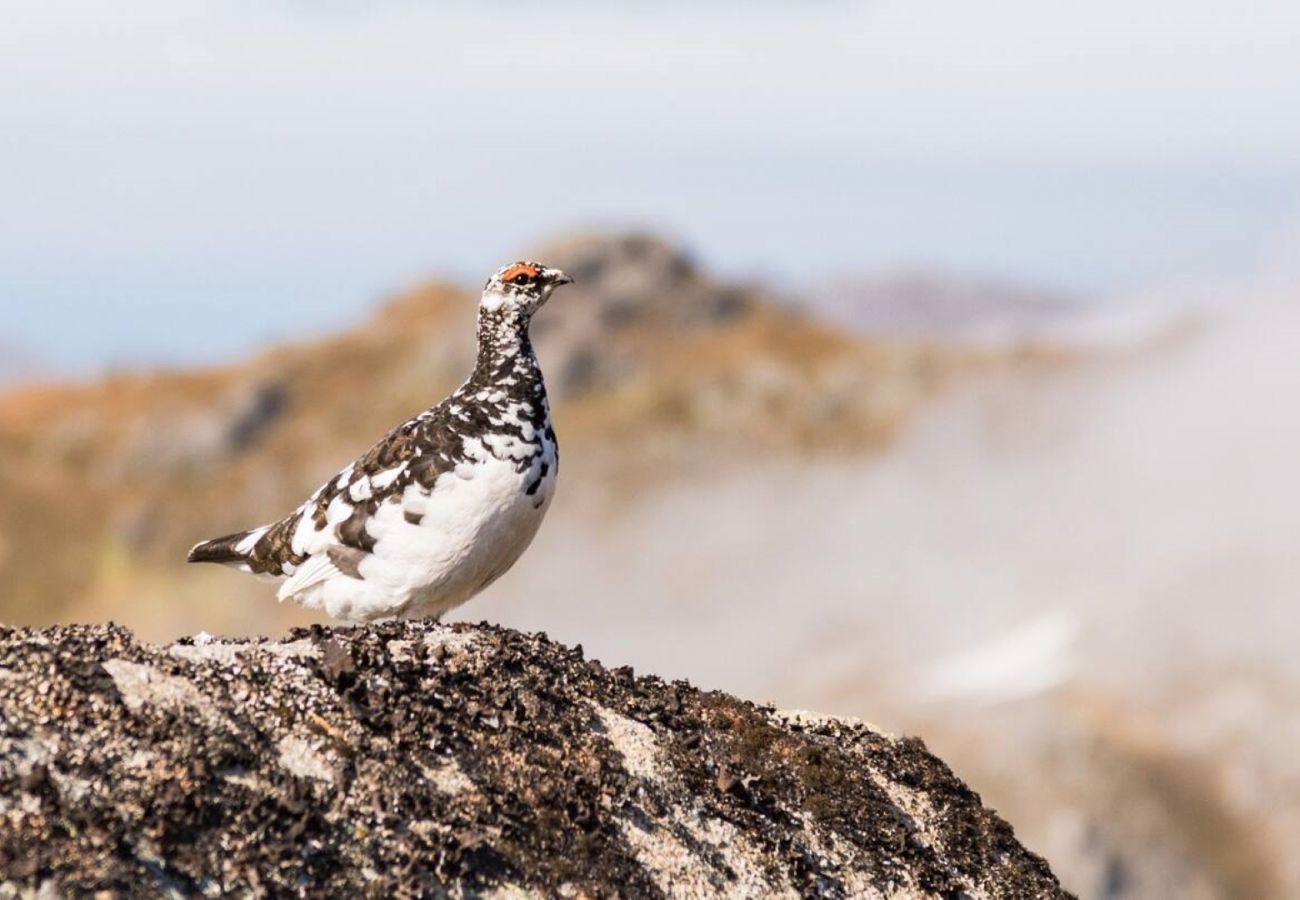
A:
229	550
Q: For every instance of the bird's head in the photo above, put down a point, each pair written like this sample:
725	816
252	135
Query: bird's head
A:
521	287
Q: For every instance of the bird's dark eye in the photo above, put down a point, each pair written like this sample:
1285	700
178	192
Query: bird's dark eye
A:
522	278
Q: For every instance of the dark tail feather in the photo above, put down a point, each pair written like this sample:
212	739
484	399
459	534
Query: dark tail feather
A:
219	550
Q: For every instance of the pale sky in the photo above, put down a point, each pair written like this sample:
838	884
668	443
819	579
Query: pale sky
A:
183	180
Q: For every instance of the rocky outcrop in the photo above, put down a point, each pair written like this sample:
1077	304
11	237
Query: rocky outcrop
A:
417	760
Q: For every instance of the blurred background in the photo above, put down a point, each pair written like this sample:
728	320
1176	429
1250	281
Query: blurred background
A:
933	363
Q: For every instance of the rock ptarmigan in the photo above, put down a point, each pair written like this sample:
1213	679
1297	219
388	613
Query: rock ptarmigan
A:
444	504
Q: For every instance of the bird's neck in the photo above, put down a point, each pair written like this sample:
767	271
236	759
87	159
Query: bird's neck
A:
505	351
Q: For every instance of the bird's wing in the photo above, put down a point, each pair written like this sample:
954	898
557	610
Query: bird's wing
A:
337	514
311	573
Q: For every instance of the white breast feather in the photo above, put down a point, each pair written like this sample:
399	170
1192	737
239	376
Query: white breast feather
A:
472	526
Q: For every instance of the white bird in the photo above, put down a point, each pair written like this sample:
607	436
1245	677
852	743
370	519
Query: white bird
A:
444	504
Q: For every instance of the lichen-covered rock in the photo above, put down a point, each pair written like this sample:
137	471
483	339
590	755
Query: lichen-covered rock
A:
424	760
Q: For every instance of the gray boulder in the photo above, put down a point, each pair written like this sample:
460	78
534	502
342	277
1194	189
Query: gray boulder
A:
424	760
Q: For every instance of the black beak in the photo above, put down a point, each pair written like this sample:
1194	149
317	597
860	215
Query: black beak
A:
556	278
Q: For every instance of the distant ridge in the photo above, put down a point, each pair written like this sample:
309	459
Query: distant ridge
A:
925	305
653	365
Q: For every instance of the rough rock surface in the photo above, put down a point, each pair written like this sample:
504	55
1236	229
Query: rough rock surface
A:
425	760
